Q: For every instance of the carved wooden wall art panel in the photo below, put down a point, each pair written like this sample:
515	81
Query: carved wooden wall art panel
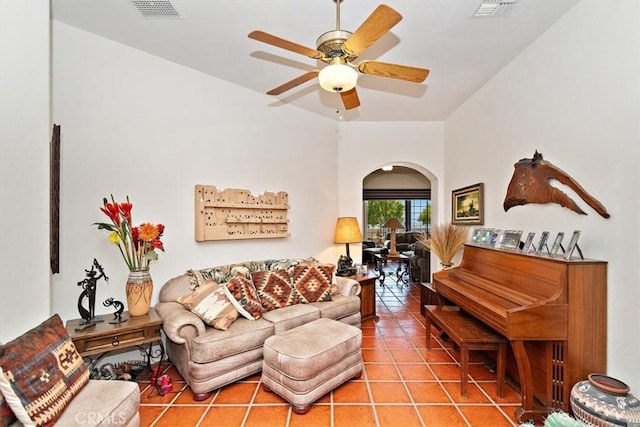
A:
234	214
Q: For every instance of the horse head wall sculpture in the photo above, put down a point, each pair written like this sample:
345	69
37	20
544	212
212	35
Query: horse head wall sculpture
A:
530	183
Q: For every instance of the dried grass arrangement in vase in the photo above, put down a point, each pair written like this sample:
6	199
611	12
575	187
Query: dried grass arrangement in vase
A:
444	241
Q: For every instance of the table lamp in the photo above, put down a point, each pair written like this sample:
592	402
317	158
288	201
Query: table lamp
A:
393	224
347	231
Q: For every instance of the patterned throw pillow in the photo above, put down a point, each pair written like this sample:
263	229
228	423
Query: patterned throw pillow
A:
244	297
6	414
274	288
312	282
210	303
40	373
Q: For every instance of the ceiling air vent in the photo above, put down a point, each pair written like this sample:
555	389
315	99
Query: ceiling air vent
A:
156	8
491	8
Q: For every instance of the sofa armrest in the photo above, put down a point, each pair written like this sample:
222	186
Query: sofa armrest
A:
348	286
179	324
175	288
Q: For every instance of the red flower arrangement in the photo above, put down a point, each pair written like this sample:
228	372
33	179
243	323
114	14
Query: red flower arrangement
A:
137	244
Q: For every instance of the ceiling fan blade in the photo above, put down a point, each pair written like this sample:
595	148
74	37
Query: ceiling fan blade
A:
276	41
293	83
395	71
350	99
375	26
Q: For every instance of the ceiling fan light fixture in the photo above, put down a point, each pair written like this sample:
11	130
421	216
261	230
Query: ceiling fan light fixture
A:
339	48
338	78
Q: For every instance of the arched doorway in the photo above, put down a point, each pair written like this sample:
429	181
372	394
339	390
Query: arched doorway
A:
403	190
396	191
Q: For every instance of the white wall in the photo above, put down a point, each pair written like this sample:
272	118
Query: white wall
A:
398	177
134	124
573	95
366	146
24	165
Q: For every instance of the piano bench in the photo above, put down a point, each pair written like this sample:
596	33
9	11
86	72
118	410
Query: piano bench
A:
469	334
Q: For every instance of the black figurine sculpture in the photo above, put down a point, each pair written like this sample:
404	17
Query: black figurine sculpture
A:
117	315
89	286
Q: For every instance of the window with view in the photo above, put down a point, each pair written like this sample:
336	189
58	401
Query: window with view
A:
415	214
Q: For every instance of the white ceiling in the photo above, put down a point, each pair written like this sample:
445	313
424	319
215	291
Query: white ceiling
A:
461	51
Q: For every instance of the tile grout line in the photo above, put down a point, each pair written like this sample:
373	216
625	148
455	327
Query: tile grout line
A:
428	365
209	407
395	364
167	405
384	287
371	401
250	405
438	380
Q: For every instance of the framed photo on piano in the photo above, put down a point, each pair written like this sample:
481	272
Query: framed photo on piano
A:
528	243
511	240
557	244
573	244
477	235
542	243
467	205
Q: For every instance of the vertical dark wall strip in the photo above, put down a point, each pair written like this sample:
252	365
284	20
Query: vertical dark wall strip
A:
54	202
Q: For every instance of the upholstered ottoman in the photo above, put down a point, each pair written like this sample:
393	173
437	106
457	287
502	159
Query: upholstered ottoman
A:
304	363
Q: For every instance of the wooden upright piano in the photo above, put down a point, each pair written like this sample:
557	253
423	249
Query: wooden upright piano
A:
552	310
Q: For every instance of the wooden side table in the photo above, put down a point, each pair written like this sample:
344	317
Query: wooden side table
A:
104	337
367	295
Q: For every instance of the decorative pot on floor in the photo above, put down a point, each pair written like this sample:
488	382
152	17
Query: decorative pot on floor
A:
139	289
604	401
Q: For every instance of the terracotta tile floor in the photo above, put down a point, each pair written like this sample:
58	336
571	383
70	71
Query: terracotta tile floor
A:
404	384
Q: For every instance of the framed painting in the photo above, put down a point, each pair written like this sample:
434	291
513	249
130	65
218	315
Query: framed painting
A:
467	205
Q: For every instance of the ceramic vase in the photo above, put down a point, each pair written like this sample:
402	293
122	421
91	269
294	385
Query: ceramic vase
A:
604	401
139	289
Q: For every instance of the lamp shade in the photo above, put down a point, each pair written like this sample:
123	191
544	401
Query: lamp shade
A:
393	224
347	230
338	78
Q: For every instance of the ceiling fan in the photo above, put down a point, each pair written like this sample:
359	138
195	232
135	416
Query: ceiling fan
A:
339	48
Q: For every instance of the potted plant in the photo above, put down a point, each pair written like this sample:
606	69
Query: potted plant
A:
444	241
137	246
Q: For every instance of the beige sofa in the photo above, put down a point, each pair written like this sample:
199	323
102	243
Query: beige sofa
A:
102	403
209	358
98	403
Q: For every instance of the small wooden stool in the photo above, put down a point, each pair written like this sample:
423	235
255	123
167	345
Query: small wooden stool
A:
469	334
